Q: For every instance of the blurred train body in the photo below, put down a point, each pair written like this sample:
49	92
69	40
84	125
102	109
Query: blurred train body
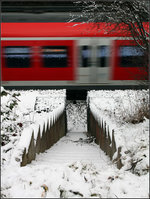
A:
61	54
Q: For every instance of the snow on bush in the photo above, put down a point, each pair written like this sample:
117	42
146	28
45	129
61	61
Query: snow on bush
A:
10	121
18	111
127	112
76	116
126	106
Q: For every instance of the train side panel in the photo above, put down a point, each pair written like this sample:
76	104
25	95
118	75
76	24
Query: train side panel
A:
38	68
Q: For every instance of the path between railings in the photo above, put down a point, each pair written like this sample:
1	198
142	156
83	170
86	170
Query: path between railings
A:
71	148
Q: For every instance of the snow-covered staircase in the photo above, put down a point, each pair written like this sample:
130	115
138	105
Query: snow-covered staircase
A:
71	148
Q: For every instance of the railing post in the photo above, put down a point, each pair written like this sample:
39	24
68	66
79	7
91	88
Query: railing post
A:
119	163
97	133
108	144
88	118
101	134
43	140
94	127
38	142
65	120
24	159
113	147
47	135
31	150
105	138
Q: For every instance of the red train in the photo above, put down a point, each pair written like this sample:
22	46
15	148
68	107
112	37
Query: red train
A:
67	54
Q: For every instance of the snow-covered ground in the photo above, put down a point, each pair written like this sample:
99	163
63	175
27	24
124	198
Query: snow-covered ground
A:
72	168
75	167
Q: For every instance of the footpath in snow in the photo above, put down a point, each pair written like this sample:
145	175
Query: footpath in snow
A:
73	147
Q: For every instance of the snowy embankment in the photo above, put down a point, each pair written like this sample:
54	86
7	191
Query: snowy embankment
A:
126	112
24	112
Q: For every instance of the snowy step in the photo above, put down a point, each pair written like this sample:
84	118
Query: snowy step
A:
69	149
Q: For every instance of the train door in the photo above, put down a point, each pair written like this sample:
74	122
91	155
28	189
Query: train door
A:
101	54
84	60
88	61
94	60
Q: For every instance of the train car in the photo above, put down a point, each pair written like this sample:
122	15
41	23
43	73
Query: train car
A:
65	55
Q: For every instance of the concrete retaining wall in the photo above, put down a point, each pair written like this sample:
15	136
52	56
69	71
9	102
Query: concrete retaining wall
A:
44	139
104	138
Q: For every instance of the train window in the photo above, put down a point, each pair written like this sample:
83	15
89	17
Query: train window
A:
55	56
17	56
86	54
103	54
131	56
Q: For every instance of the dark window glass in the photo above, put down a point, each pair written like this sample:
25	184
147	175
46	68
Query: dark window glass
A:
86	54
131	56
17	56
103	54
55	56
